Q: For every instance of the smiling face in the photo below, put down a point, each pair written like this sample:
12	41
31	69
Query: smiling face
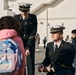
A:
57	36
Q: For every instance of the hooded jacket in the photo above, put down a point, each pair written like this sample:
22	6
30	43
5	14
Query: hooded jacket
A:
11	33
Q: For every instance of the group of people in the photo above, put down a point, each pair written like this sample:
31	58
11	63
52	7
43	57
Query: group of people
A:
22	28
38	42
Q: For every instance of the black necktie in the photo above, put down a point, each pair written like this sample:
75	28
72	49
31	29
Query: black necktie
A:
56	47
25	22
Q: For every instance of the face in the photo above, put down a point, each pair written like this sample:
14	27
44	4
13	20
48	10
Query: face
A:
56	36
25	14
73	35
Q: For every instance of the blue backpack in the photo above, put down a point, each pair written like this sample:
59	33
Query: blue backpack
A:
10	56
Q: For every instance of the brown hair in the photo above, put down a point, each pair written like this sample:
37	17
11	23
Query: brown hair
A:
9	22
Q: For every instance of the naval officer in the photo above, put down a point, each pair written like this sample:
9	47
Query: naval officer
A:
28	31
59	54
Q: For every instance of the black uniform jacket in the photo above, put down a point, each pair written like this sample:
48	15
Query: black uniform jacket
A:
74	43
62	58
28	30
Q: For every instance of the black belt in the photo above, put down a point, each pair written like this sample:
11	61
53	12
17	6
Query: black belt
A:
62	65
65	66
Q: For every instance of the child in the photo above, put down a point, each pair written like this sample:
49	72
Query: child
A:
10	28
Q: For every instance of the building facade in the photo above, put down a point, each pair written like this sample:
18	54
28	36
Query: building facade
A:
49	12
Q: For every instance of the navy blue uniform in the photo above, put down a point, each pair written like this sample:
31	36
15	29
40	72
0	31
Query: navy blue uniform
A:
61	59
28	32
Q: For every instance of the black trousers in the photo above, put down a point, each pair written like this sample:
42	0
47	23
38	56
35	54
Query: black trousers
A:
31	61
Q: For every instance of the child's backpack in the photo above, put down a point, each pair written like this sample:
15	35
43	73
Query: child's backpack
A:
10	56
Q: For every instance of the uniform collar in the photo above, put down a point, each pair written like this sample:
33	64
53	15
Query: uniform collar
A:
24	18
58	44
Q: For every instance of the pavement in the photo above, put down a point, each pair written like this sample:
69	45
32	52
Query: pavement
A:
39	56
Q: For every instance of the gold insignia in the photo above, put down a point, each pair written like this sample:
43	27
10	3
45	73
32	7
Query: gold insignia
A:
24	8
61	45
31	37
31	23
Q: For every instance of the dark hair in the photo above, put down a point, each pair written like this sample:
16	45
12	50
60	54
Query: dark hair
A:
9	22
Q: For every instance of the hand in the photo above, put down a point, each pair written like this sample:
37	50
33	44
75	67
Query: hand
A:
52	69
27	51
47	69
41	68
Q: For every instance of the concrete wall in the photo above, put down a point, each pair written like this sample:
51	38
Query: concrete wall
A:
3	4
60	12
4	9
5	13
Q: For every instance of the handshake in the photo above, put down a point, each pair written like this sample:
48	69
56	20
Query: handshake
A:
43	68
